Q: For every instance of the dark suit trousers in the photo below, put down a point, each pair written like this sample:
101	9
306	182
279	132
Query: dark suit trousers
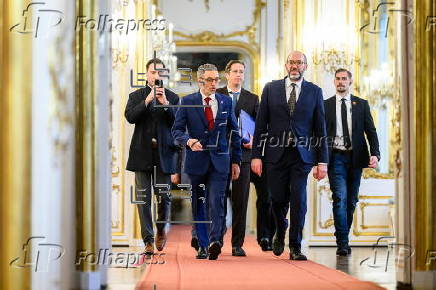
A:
265	224
143	184
239	197
208	192
287	181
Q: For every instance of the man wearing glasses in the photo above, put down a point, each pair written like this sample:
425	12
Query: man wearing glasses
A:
291	110
206	124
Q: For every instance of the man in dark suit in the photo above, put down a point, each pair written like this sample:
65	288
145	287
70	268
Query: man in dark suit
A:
153	154
348	119
292	123
240	189
207	125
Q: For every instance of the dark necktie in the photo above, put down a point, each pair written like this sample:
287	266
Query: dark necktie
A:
234	100
292	99
209	114
345	133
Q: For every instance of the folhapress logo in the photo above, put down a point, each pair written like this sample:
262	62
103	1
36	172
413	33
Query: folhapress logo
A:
38	255
45	18
36	18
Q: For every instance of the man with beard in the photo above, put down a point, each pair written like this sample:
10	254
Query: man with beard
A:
291	109
348	119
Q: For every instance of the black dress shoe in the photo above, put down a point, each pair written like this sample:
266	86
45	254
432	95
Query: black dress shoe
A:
342	251
238	252
264	244
297	255
349	250
202	253
214	250
278	246
194	243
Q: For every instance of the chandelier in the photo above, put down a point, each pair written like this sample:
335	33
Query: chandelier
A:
164	47
332	59
379	86
330	40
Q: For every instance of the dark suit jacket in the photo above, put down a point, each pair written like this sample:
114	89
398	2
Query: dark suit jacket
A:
248	102
140	153
216	143
273	123
362	123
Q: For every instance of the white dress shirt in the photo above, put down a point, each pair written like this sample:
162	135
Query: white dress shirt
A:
231	93
213	103
288	86
339	140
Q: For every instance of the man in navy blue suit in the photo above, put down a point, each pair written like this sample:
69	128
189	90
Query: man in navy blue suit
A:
207	125
290	128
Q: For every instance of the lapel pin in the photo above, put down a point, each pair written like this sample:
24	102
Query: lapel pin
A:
354	103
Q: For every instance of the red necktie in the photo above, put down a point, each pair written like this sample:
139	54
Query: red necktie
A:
209	114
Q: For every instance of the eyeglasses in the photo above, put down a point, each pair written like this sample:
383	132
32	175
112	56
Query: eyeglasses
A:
297	62
211	80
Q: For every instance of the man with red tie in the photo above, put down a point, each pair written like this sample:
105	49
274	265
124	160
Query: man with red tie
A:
207	125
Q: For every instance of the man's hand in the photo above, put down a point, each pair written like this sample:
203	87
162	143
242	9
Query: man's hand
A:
320	171
235	171
256	166
150	97
161	97
373	162
195	145
249	145
175	178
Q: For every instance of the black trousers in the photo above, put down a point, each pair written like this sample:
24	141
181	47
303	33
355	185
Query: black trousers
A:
265	224
287	181
239	197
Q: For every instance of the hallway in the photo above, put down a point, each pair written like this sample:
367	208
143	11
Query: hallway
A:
259	270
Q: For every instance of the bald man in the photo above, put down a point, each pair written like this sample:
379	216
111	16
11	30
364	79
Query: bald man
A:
290	139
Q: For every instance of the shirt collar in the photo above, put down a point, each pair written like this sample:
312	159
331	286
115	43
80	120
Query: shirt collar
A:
289	82
212	97
347	97
230	91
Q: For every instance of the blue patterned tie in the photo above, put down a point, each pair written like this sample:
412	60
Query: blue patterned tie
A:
234	99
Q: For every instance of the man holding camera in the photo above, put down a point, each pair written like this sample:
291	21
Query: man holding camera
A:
153	156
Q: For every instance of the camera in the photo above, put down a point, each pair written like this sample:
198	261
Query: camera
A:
158	83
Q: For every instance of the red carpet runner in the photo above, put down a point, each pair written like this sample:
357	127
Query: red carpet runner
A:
259	270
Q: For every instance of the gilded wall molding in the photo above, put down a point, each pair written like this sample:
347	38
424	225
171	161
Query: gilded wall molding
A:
15	146
372	173
210	36
424	138
85	179
252	53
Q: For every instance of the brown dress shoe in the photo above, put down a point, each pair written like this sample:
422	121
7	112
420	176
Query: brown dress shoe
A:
149	249
161	239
